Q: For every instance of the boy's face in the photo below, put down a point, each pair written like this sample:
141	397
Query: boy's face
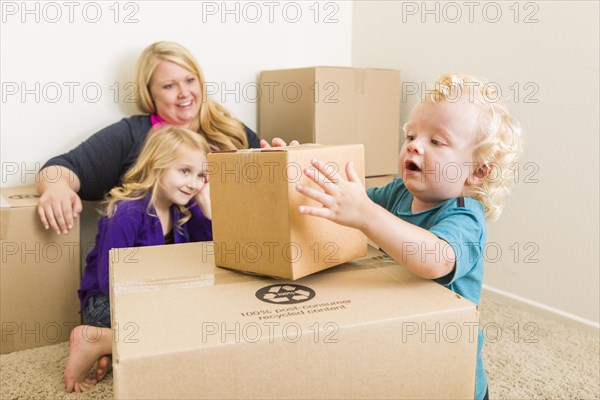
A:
436	160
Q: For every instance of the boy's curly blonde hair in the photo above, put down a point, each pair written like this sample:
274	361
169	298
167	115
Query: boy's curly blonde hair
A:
498	140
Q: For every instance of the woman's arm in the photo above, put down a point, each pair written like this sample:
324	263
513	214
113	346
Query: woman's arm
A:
88	171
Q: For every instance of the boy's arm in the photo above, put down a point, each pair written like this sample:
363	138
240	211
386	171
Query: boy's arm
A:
346	203
417	249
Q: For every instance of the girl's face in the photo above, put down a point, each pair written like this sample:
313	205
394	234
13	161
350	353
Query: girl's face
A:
179	183
176	93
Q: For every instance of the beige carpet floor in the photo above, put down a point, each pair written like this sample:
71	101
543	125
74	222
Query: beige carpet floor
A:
526	357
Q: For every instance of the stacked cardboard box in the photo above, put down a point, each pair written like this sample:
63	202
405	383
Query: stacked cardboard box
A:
39	278
366	329
332	105
257	225
378	181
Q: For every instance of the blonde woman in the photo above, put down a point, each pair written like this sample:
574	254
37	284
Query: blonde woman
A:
456	165
164	199
171	91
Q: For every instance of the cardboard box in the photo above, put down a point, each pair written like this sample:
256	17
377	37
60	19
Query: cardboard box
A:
366	329
257	226
39	276
332	105
378	181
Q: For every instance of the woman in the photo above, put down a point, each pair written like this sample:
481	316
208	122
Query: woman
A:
170	91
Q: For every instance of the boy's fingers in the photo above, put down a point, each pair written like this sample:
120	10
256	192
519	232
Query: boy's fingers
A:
351	172
330	172
315	211
322	176
316	195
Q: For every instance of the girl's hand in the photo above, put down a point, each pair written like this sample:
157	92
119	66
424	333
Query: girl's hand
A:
343	201
203	199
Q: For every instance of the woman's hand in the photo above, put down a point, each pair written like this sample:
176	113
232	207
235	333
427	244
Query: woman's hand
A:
59	204
343	201
277	142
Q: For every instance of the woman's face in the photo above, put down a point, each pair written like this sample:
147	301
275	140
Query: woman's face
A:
176	94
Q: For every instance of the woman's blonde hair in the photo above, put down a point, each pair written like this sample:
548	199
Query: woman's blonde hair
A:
499	142
163	148
217	124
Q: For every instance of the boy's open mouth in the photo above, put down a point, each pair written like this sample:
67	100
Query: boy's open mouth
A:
412	166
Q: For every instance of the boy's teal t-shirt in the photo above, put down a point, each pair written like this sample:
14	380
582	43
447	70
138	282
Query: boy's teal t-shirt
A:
460	222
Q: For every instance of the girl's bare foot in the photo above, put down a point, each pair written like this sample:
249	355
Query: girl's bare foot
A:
88	344
103	368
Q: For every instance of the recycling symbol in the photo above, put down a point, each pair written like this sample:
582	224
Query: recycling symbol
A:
285	294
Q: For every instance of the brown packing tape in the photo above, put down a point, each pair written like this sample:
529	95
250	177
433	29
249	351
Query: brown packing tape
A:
159	284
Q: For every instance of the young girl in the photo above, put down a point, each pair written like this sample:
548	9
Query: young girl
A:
164	199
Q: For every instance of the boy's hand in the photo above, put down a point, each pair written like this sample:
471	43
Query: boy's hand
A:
344	201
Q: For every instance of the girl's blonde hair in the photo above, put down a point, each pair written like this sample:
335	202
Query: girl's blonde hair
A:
164	147
219	126
498	139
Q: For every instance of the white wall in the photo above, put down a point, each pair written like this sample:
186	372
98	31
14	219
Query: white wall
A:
58	47
553	215
552	63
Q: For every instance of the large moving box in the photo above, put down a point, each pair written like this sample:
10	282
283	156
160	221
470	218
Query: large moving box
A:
332	105
39	278
257	225
366	329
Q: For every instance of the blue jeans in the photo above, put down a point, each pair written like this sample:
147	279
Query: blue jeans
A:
97	311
